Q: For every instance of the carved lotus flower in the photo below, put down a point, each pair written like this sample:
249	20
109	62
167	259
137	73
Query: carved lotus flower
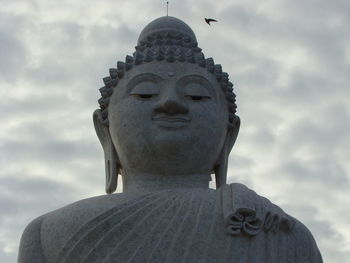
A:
244	221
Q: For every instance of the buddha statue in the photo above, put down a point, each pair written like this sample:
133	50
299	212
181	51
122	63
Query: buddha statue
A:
167	122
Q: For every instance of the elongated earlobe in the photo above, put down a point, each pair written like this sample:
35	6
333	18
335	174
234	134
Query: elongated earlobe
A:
111	169
112	166
220	169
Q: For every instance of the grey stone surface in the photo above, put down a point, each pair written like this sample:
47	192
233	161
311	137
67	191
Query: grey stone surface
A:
167	121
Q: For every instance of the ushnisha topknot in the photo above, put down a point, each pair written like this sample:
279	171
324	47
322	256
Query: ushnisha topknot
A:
166	39
167	24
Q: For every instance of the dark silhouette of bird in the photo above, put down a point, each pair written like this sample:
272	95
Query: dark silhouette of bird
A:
208	20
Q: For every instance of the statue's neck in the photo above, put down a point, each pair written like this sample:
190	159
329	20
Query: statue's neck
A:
139	182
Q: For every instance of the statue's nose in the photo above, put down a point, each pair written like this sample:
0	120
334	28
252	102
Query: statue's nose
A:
172	104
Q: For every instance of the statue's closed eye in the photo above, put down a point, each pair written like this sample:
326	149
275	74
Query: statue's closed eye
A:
143	96
145	90
196	92
196	97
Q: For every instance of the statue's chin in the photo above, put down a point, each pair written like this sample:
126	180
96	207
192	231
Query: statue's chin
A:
170	158
174	151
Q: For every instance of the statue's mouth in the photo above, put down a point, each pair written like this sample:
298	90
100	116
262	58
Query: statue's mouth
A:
171	121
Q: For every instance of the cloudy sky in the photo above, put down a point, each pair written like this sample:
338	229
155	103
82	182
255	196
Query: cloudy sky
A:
289	61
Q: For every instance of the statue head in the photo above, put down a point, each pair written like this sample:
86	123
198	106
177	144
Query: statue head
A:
167	110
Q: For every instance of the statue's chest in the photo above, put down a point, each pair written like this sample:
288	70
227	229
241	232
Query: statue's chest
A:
154	228
181	226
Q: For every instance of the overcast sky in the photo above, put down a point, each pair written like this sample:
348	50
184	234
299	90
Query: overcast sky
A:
289	61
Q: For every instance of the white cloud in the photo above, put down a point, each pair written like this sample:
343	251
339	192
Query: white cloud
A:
288	60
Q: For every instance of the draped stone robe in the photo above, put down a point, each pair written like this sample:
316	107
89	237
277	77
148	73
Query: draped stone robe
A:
232	224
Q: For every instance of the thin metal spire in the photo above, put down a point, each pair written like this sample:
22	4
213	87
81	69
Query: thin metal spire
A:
167	8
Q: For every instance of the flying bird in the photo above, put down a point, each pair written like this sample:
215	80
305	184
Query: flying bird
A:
208	20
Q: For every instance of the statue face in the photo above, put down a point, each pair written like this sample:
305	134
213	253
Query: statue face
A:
168	118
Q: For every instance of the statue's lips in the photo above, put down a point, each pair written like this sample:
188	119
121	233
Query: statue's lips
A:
171	122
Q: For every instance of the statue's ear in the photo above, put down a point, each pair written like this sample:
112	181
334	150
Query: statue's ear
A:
111	158
220	168
233	133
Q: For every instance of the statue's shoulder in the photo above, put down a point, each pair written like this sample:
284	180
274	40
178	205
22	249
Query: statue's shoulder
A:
82	210
47	234
240	201
30	249
251	214
305	242
247	212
